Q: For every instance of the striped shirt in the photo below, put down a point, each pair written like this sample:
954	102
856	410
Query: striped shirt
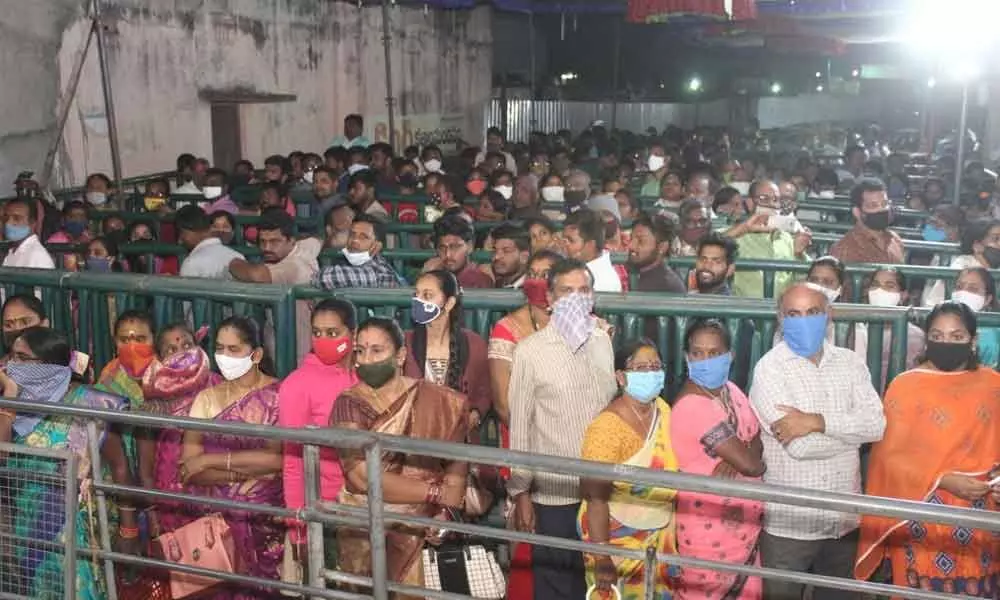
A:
554	395
840	389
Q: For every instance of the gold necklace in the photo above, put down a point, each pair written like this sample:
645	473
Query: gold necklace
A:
642	420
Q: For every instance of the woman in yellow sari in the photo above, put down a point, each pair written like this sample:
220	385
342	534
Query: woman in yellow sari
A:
633	430
941	445
385	401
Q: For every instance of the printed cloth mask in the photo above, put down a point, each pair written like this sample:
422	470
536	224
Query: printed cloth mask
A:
180	374
571	316
805	335
234	367
37	382
423	312
644	386
710	373
331	351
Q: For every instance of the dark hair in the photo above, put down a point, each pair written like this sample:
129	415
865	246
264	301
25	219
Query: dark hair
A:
934	181
494	131
162	334
365	177
377	225
48	345
708	324
277	186
244	163
277	160
832	262
222	213
632	202
589	224
399	163
139	316
720	241
74	205
950	214
496	175
539	220
276	219
826	177
458	347
344	309
865	186
191	218
30	203
251	334
724	196
661	227
217	172
99	176
567	265
510	231
543	254
382	147
428	149
361	151
28	301
976	231
628	350
338	152
688	206
988	282
968	318
869	279
387	326
453	225
185	161
355	118
111	246
324	169
136	224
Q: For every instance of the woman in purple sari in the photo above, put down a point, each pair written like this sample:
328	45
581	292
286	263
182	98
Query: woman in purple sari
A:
179	373
240	468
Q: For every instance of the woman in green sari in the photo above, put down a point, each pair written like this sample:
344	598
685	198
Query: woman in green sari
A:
39	372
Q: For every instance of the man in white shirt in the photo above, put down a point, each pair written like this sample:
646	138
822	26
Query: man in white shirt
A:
494	143
817	406
207	256
584	235
20	220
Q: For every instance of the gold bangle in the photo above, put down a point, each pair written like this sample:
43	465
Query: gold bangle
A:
229	461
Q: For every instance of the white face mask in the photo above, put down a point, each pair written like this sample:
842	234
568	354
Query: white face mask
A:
356	259
351	170
211	192
432	166
655	163
233	368
553	193
308	176
504	190
880	297
97	198
974	301
767	210
831	295
827	195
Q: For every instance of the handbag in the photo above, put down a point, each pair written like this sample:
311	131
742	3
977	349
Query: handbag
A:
462	568
291	567
616	593
206	543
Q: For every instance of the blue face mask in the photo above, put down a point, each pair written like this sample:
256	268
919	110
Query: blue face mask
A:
805	335
423	312
710	373
16	233
644	386
98	265
934	234
75	228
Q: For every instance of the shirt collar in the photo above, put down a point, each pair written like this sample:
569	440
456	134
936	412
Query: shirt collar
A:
209	241
601	262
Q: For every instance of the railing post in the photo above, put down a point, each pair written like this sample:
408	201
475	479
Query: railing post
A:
317	558
897	356
650	573
69	530
376	522
284	325
93	441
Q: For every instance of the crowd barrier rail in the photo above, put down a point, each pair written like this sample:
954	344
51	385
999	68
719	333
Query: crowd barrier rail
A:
376	519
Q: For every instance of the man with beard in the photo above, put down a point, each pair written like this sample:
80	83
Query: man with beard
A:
648	252
511	248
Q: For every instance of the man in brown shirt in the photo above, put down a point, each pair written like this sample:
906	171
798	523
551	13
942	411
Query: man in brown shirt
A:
870	241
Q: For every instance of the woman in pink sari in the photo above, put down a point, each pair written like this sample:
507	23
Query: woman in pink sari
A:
180	372
715	433
244	469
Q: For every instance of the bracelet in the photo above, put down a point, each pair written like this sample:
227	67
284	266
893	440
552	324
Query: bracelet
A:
128	533
434	493
229	461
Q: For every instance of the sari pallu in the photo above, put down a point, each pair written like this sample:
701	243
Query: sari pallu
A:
37	506
424	411
936	424
641	517
259	539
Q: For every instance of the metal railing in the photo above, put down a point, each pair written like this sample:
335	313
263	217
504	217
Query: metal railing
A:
377	520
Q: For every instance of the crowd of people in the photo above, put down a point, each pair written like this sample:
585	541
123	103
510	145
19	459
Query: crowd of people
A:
802	416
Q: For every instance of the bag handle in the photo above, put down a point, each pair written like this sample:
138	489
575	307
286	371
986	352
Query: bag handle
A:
593	588
210	532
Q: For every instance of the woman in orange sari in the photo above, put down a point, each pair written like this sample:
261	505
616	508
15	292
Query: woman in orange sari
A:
385	401
941	445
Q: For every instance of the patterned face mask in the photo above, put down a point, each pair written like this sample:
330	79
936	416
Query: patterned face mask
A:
37	382
572	318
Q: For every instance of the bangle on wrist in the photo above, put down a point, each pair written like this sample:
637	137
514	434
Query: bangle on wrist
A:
229	461
128	533
434	493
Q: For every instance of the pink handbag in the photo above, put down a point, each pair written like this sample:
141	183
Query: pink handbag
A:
206	543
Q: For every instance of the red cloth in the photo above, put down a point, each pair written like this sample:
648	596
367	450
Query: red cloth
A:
520	583
643	11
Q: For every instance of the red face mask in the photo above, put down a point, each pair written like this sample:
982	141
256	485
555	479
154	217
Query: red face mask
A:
135	357
476	186
536	292
331	351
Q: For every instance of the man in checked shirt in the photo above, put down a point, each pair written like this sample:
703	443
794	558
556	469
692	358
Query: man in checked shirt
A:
817	406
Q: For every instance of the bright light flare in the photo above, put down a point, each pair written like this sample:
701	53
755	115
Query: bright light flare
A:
960	32
776	88
694	85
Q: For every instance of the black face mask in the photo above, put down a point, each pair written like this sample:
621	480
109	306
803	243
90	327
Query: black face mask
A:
878	221
992	256
575	196
948	356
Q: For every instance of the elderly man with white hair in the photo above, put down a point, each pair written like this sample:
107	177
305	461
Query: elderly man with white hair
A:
817	406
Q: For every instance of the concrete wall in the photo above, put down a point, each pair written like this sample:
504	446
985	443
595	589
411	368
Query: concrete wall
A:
163	53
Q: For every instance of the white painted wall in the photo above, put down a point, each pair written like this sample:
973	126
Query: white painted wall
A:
328	54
